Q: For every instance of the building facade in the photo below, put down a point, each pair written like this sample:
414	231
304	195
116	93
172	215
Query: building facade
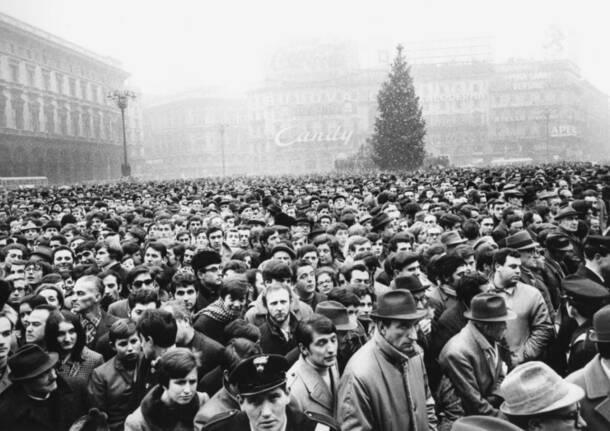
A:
544	110
55	118
194	135
318	104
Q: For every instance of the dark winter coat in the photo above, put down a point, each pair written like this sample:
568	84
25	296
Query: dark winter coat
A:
154	415
18	412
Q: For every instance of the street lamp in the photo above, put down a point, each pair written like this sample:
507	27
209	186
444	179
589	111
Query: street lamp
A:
121	98
222	128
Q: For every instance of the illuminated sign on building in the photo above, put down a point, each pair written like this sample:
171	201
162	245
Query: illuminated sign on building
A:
563	130
290	135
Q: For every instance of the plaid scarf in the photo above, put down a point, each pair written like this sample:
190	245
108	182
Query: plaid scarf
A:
218	310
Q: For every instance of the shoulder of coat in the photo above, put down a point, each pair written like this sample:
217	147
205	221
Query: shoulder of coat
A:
221	417
323	422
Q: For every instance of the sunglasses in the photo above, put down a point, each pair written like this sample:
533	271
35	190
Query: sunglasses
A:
139	283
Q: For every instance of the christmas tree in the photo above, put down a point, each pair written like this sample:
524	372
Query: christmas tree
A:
398	139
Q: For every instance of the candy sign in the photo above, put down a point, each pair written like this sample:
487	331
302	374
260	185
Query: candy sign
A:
290	136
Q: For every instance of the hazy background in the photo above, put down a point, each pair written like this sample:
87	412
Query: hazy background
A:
169	46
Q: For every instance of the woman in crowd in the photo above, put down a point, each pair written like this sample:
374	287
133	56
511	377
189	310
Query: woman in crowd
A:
174	402
65	336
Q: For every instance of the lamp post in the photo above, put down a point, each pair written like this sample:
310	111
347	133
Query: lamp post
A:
222	128
121	98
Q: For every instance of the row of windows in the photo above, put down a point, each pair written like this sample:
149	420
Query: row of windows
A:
59	122
298	97
56	59
47	80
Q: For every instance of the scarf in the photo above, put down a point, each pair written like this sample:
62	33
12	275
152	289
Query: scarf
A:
218	310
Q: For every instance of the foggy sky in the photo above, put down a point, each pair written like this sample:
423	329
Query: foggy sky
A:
170	46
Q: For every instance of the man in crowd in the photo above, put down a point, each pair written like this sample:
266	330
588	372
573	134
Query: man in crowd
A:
370	397
88	292
6	338
593	379
157	332
207	267
35	327
264	401
38	398
314	379
277	333
111	385
471	358
537	398
596	252
529	335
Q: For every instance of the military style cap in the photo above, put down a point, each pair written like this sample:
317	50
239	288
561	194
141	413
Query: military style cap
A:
600	243
583	288
259	373
558	241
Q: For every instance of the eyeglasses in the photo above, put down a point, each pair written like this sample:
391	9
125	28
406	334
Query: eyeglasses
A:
213	269
139	283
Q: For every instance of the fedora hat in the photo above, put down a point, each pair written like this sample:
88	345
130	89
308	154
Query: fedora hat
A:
397	305
567	211
409	282
489	307
520	241
336	312
452	238
601	326
380	221
29	362
483	423
533	388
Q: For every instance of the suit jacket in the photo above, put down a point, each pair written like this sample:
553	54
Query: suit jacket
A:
583	271
210	351
102	328
595	406
553	274
450	323
444	299
222	401
110	389
467	361
119	309
310	391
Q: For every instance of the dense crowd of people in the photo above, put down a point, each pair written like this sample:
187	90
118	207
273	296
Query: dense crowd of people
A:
453	299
